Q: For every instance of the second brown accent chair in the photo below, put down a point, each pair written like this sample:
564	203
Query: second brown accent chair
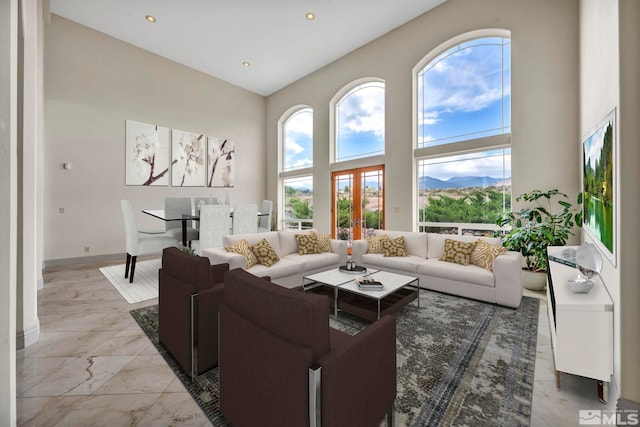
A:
190	291
282	365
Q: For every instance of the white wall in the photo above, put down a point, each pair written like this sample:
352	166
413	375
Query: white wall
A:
609	62
93	83
544	36
8	208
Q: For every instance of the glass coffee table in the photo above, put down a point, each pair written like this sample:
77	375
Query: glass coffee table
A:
398	290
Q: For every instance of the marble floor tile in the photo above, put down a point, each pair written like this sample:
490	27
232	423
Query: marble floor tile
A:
175	409
81	376
142	374
93	365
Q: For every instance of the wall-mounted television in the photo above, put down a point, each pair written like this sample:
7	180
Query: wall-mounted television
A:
599	185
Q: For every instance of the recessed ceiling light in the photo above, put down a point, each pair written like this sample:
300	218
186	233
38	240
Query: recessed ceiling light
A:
246	64
150	18
310	16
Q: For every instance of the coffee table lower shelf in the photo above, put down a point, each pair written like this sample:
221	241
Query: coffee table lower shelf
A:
367	308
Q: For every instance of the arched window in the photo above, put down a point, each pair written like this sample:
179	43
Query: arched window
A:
463	133
298	140
295	207
359	122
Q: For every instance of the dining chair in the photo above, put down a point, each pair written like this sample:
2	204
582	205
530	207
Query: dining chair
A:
264	221
244	219
215	221
174	228
137	245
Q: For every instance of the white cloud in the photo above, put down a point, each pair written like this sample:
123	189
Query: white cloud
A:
300	123
363	111
293	147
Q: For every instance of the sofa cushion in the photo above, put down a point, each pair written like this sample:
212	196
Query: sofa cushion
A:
407	263
394	247
242	248
436	242
415	243
471	274
485	253
457	251
314	261
265	253
282	268
253	239
307	243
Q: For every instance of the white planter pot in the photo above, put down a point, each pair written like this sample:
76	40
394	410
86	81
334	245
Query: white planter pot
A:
534	280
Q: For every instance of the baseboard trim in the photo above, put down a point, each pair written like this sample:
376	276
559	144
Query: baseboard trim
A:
27	337
84	260
628	405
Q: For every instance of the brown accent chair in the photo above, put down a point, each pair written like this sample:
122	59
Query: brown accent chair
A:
282	365
190	292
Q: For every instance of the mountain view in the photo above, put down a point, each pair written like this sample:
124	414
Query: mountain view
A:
431	183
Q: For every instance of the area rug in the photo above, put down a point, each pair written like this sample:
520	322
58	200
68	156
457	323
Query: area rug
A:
145	280
459	362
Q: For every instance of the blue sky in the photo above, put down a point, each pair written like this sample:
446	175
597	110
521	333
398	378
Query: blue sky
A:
461	96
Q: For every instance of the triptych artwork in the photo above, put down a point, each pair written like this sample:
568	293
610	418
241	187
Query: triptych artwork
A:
156	155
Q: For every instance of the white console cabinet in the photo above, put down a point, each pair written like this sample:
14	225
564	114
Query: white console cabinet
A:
581	326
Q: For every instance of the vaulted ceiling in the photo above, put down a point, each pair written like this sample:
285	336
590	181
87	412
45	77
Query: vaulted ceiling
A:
259	45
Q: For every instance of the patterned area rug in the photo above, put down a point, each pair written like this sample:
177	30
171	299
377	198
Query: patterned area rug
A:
459	362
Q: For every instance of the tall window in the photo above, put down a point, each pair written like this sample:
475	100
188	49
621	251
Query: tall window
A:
298	140
360	122
296	175
463	153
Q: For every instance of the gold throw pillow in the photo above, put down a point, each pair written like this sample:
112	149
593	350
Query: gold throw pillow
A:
394	247
307	244
243	248
265	253
485	253
323	241
458	252
375	243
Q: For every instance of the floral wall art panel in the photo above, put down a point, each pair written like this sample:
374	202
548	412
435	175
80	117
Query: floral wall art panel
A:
189	159
221	162
147	154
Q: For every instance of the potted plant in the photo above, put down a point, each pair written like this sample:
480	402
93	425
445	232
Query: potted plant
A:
548	222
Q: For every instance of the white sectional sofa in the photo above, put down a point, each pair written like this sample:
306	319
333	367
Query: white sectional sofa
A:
291	267
502	286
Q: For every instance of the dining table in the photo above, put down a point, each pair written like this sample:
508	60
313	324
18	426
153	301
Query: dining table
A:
181	215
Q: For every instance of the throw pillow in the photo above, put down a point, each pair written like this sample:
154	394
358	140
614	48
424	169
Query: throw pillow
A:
485	253
394	247
323	241
265	253
375	243
242	248
307	244
458	252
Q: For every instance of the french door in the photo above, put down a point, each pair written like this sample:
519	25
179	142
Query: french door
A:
358	202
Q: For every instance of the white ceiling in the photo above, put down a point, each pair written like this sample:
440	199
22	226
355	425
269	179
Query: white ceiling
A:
217	36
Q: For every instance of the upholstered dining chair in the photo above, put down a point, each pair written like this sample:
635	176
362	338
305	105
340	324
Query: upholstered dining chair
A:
215	221
137	245
264	221
174	228
244	219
